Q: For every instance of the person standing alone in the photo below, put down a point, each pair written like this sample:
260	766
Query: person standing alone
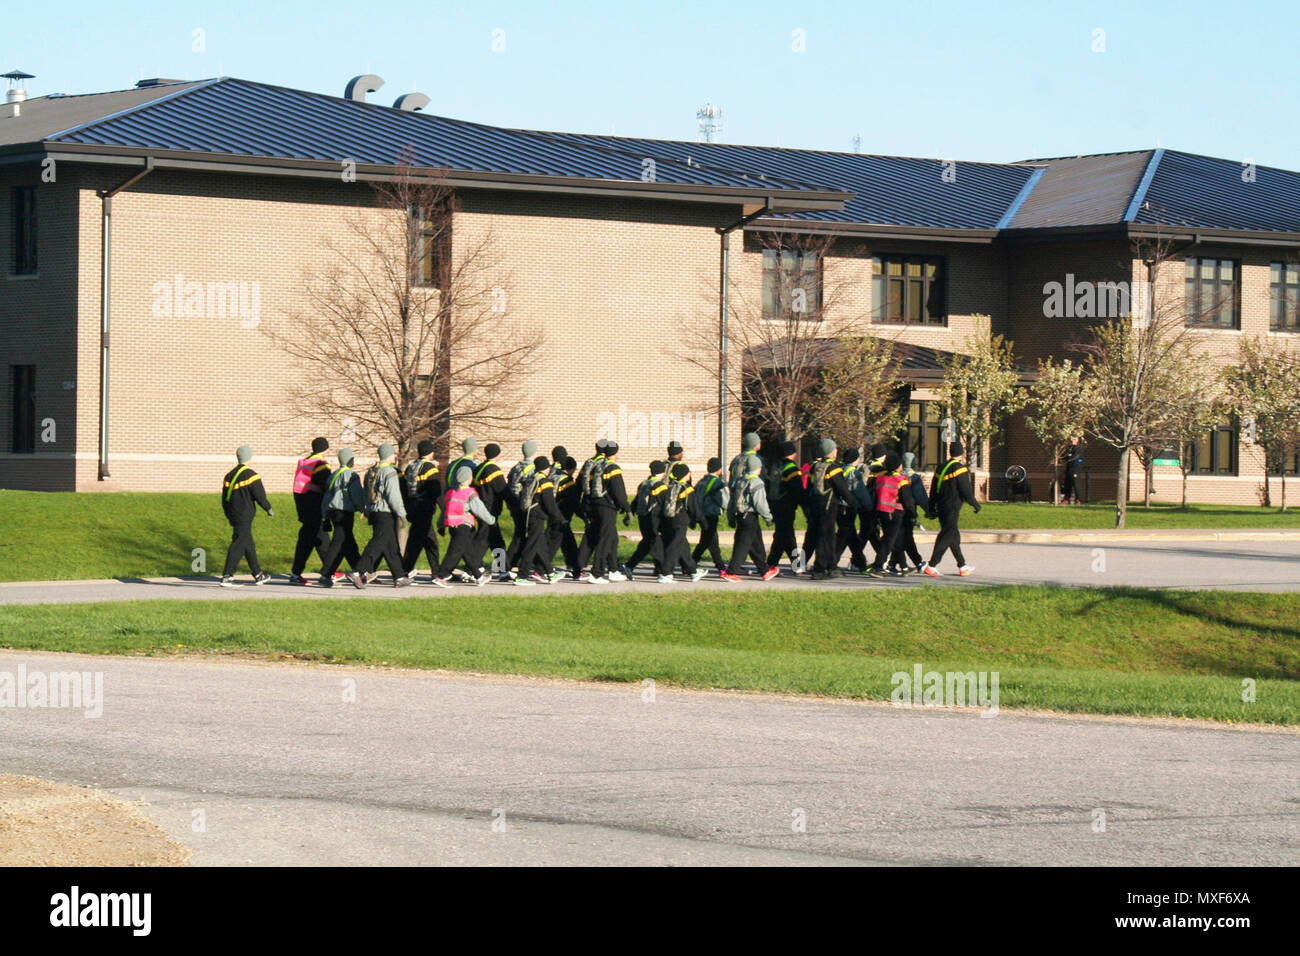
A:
241	495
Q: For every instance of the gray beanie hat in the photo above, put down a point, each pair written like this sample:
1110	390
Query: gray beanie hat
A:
909	461
530	448
386	450
469	446
346	458
751	441
826	447
463	476
243	454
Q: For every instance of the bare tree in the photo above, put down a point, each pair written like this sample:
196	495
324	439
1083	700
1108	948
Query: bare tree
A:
858	402
407	331
1059	411
804	346
1139	370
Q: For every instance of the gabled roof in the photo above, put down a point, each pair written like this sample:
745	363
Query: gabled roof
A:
887	190
255	127
235	120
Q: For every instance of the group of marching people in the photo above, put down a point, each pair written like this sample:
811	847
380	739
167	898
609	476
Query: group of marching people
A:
847	505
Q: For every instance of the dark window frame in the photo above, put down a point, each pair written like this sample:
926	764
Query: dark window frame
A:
1283	306
1290	462
431	230
780	280
1195	288
932	306
22	380
26	221
1215	465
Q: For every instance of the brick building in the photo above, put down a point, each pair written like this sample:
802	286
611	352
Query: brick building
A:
227	195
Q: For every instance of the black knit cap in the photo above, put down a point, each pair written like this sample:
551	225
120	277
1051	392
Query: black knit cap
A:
611	447
680	470
849	456
425	447
491	450
541	463
877	450
602	444
892	461
319	445
714	464
956	449
675	448
570	463
559	453
657	467
788	448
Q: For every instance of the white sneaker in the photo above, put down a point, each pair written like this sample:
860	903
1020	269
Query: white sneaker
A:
596	580
965	570
556	576
699	573
482	579
524	583
230	583
440	582
665	579
617	576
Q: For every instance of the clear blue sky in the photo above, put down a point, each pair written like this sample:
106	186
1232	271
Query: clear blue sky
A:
967	80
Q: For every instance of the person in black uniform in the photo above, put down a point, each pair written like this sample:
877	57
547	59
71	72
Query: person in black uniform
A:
423	486
713	493
675	493
647	519
490	483
241	495
846	522
952	485
560	533
344	499
787	495
584	509
536	513
309	483
1073	471
869	517
826	489
605	509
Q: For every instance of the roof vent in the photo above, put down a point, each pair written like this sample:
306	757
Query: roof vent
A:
411	102
17	91
359	86
155	81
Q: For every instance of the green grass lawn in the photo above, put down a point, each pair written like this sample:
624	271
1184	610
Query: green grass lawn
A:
1121	651
66	536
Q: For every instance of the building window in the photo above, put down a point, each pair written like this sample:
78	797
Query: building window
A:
431	229
908	290
792	284
1213	294
1284	297
923	436
24	230
1290	462
24	409
1216	453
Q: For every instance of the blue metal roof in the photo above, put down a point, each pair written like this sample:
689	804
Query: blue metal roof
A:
887	190
1207	193
238	118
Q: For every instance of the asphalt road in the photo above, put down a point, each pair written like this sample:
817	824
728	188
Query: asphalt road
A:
272	764
1239	565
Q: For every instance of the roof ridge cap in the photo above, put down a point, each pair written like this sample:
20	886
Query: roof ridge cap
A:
190	87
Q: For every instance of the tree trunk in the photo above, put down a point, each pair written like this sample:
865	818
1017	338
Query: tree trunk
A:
1148	482
1284	486
1268	487
1182	468
1121	494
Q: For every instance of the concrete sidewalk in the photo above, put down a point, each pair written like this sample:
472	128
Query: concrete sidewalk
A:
1061	535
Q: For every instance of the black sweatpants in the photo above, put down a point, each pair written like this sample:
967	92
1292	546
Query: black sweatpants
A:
588	544
846	536
948	538
460	548
604	557
517	541
905	548
677	549
382	544
891	523
343	544
421	536
869	522
823	535
310	535
748	544
708	543
1073	488
560	540
650	545
241	547
783	539
534	552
